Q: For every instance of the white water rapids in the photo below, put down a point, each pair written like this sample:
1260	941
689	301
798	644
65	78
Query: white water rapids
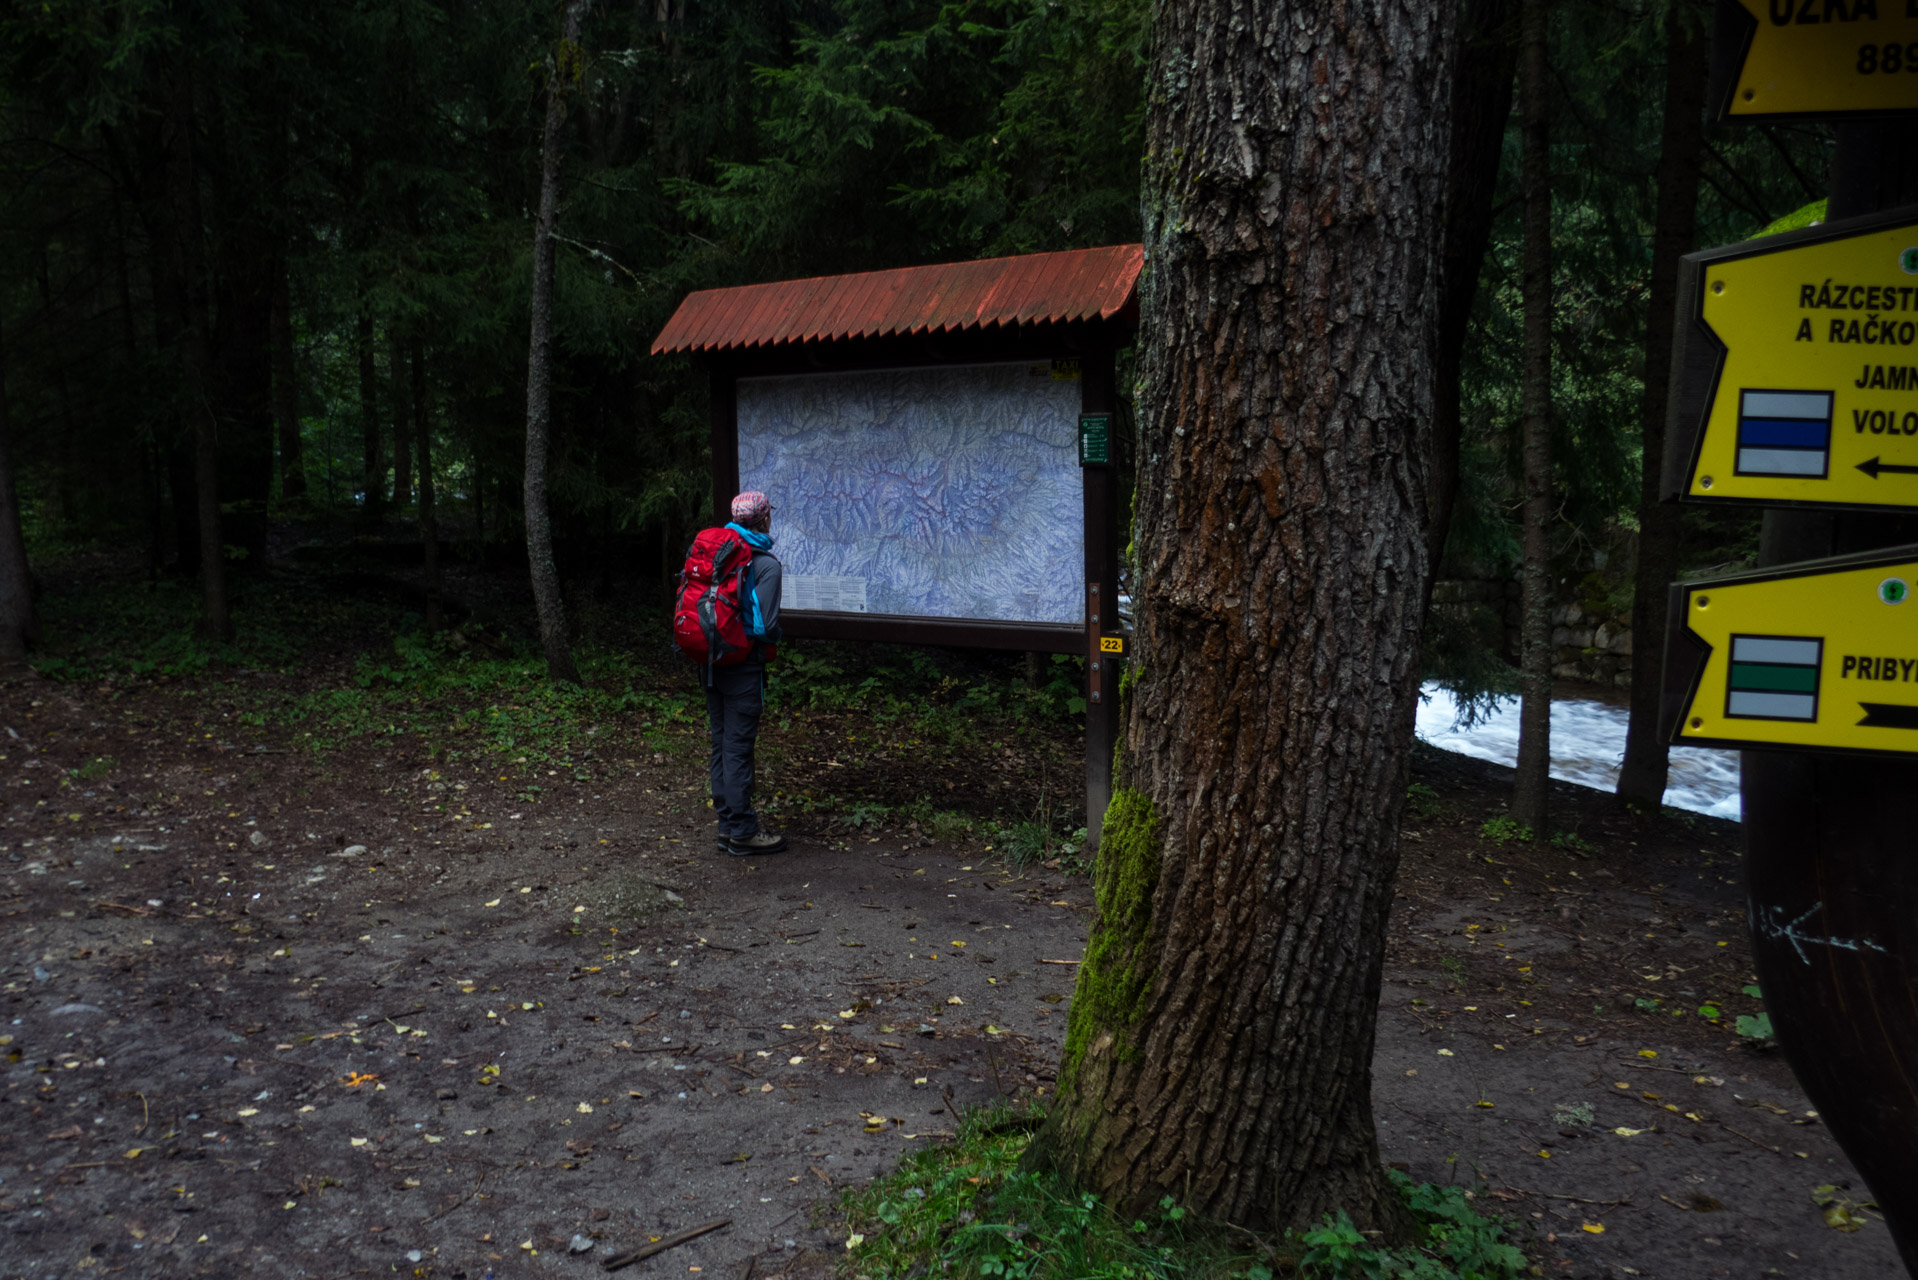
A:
1588	741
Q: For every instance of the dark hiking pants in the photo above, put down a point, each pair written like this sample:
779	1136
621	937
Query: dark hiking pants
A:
734	698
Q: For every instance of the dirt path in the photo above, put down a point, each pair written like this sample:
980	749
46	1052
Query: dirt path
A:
412	1020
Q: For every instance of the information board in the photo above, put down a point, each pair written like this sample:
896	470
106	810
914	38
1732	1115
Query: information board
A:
1822	654
943	492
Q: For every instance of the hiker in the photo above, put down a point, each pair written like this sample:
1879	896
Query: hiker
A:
727	621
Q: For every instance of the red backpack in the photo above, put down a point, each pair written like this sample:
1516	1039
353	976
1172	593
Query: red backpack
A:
709	619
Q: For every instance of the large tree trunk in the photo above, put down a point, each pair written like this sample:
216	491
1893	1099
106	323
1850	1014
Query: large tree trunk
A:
539	407
429	526
1220	1046
1530	799
18	625
1481	103
286	408
1641	778
372	465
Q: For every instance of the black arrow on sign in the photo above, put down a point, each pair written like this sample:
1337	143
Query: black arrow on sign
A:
1888	715
1871	467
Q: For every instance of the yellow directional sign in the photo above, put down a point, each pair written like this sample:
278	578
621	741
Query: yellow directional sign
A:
1798	380
1819	655
1814	58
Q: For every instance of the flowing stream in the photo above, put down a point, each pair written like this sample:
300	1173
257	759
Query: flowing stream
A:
1588	741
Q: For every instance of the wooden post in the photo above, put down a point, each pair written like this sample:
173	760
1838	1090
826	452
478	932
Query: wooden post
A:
1831	887
1101	485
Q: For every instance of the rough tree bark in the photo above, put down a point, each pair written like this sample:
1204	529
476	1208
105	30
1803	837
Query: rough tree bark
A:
1530	792
1481	104
286	408
19	626
1220	1045
372	464
1642	776
562	75
429	524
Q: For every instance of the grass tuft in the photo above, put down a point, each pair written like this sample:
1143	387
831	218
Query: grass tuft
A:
969	1210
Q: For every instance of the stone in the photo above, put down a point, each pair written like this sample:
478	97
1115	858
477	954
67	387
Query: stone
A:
66	1010
1603	637
258	839
352	851
580	1244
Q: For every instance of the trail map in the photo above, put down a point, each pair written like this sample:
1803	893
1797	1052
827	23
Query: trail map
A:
949	492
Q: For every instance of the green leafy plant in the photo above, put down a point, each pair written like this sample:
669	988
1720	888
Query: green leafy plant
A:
1421	802
1571	842
1504	830
971	1210
1581	1114
1754	1026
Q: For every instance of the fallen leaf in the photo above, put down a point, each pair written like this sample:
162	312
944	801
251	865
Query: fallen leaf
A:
495	903
954	1000
795	1060
247	1111
1447	1053
1596	1228
359	1142
1623	1132
1648	1053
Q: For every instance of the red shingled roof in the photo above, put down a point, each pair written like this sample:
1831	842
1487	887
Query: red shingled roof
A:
1036	288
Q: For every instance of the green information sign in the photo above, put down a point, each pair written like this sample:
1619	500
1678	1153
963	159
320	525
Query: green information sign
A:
1095	440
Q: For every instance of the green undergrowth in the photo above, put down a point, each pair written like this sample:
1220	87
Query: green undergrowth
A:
970	1210
333	663
941	697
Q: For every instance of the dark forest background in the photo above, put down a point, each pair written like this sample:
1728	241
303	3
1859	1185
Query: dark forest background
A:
309	226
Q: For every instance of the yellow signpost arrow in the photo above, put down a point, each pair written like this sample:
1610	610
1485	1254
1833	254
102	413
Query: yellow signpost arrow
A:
1814	58
1822	654
1798	379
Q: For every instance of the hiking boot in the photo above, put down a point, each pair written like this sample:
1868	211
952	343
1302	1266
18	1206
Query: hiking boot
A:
757	843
